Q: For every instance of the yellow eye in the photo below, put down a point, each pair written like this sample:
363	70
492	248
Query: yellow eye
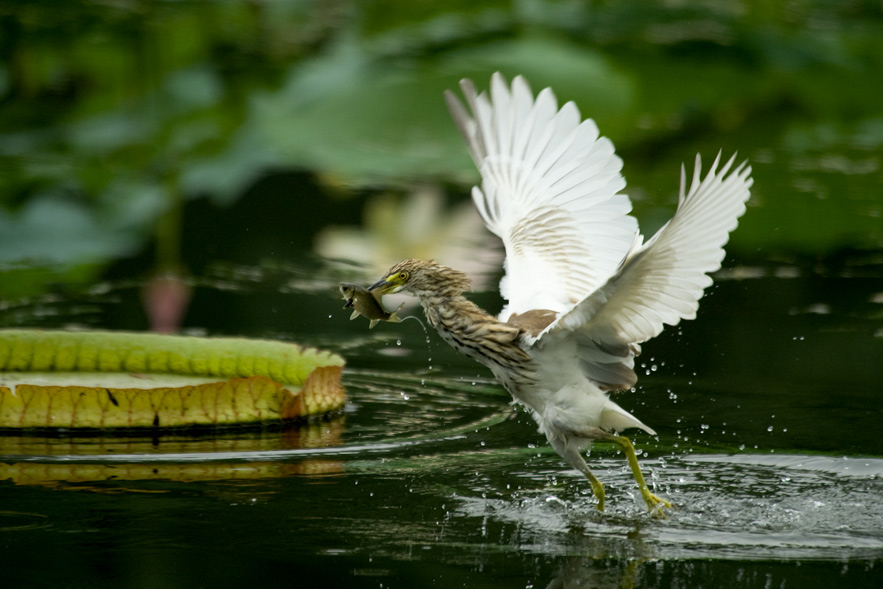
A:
403	276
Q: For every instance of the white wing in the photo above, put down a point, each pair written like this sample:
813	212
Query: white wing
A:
550	190
661	282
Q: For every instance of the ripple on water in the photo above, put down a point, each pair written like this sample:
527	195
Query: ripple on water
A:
741	506
385	412
777	507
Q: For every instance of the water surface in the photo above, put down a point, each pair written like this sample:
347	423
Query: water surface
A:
431	477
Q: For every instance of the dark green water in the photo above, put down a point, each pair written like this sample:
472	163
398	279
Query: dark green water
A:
767	444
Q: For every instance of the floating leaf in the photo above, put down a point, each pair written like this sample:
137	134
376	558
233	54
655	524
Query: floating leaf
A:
107	380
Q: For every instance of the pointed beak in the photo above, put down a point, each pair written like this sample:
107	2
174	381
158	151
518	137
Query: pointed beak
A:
386	285
382	284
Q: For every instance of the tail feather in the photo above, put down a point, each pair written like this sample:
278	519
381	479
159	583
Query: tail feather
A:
614	417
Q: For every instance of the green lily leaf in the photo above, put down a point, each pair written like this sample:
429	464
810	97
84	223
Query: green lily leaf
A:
113	379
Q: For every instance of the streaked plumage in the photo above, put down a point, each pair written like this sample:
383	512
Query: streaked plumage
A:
583	288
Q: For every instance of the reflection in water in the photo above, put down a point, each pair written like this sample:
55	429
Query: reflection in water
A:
60	461
237	453
420	470
166	297
429	471
71	475
167	444
15	521
447	441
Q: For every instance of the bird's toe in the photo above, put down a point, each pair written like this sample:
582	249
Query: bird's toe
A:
657	505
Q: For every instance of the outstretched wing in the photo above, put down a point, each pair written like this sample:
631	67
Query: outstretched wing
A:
661	282
550	190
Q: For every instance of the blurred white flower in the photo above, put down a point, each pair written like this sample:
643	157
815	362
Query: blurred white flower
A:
417	226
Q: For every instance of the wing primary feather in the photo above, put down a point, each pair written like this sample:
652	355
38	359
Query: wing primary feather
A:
661	281
545	172
464	123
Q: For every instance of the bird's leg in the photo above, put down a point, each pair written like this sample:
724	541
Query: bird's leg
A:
573	455
654	503
597	488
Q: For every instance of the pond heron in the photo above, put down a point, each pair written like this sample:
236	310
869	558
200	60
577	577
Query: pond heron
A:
583	287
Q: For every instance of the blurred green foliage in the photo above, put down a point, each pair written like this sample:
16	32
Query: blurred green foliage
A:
113	114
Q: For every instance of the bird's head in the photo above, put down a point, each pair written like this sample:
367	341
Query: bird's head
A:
422	279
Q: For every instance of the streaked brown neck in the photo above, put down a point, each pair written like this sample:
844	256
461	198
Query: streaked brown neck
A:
475	333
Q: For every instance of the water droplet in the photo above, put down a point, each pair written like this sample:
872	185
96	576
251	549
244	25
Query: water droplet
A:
769	429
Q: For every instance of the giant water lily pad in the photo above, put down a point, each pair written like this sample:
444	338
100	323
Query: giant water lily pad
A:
69	379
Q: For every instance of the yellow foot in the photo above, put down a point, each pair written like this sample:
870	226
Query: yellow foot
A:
656	504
